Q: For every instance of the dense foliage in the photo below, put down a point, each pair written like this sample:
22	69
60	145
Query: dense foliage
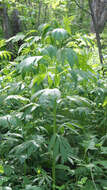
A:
53	109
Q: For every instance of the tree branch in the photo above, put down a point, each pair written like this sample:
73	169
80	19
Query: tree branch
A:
76	2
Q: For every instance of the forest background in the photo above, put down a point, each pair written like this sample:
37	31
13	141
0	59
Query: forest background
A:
53	95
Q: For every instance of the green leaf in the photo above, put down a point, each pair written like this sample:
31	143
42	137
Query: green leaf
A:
17	98
65	149
39	78
44	29
8	170
67	55
56	148
51	79
103	183
67	23
105	102
89	185
32	39
1	169
30	187
63	153
3	180
102	163
30	146
59	34
52	142
16	38
5	54
89	144
71	126
49	50
80	101
31	106
24	45
62	167
104	150
4	120
6	188
27	65
48	97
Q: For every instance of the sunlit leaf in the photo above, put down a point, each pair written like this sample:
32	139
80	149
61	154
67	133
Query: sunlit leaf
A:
59	34
16	38
49	96
17	98
30	187
105	102
1	169
27	65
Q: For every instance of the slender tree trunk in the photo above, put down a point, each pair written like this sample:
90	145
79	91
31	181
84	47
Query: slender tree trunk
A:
15	22
5	21
81	12
100	14
45	14
95	25
39	12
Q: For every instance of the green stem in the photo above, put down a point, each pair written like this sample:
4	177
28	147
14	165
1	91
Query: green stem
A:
25	168
53	174
54	159
93	179
54	127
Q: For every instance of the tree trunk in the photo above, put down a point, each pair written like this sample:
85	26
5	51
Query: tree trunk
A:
100	13
45	12
5	21
15	22
95	25
39	12
81	13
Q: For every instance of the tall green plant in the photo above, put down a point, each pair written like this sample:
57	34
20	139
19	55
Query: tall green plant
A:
53	114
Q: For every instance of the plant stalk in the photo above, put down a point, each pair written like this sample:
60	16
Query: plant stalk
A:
54	159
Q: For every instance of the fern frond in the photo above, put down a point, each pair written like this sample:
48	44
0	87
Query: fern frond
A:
16	38
5	55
